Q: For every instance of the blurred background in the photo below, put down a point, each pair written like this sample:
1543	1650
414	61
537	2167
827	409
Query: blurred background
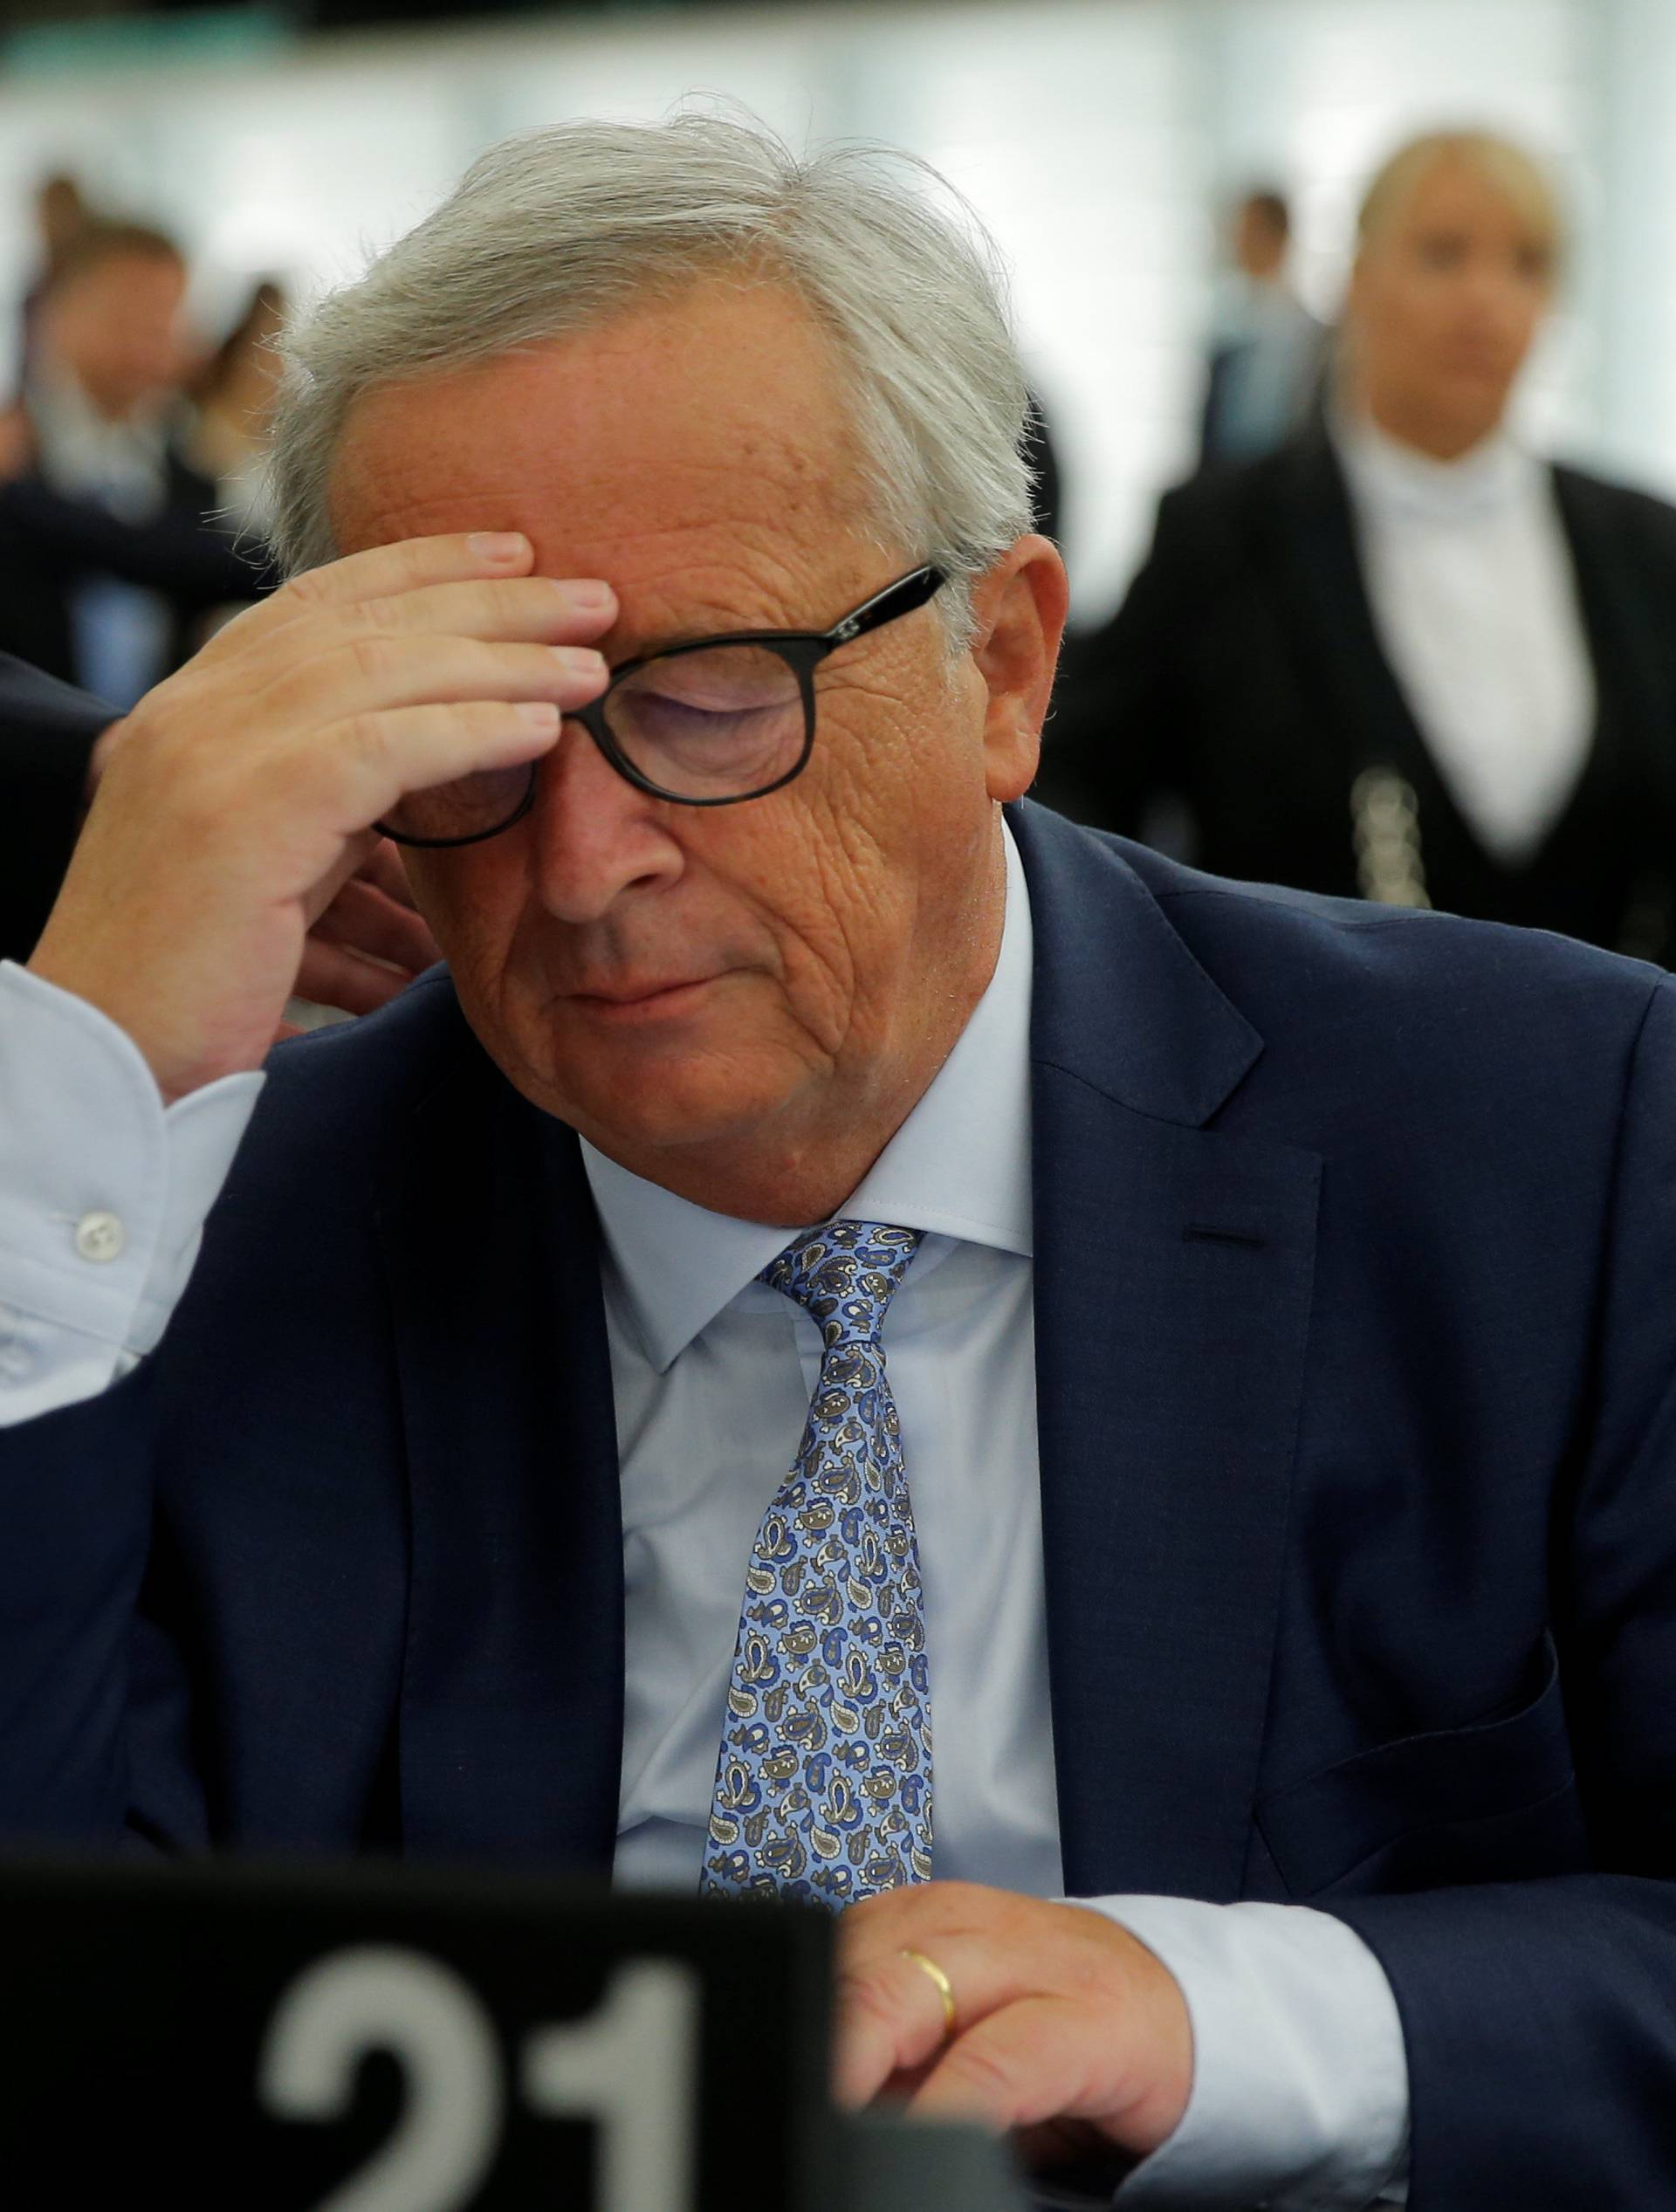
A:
1104	142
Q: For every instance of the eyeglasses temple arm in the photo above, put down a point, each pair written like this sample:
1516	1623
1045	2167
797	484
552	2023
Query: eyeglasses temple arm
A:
903	597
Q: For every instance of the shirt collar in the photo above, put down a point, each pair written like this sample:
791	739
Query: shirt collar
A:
960	1166
1496	473
82	452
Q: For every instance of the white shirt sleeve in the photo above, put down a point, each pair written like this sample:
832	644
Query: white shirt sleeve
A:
103	1195
1300	2095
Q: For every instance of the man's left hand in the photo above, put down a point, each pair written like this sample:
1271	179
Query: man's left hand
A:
1066	2030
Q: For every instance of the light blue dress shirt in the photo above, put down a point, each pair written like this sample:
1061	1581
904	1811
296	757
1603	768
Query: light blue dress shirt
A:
1299	2083
712	1373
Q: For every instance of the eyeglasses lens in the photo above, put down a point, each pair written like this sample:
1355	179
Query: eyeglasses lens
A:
724	722
720	723
471	807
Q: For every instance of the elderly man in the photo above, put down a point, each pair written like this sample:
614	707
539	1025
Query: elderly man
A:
860	1332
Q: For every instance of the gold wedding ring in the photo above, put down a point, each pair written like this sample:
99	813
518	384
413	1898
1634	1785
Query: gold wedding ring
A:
944	1987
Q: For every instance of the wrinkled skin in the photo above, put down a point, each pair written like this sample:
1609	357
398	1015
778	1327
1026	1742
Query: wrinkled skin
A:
742	1004
830	940
1067	2032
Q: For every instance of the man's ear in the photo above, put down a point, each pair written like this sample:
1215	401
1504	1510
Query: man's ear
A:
1019	610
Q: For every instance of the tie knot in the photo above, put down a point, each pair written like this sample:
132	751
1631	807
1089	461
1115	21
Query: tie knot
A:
845	1274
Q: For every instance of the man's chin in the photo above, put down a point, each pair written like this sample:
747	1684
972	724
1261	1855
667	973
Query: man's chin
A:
635	1101
670	1124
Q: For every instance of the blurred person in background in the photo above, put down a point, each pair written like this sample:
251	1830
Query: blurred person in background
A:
1268	352
1405	657
61	212
232	405
48	735
105	554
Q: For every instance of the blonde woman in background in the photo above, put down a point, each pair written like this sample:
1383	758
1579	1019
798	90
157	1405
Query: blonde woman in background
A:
1405	656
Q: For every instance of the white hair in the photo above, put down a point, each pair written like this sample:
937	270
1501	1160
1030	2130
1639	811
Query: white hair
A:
554	231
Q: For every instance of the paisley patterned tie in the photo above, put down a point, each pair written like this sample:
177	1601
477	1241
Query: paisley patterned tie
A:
823	1788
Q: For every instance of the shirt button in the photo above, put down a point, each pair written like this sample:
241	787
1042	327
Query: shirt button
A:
100	1236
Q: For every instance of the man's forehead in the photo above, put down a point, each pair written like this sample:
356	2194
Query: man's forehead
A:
679	428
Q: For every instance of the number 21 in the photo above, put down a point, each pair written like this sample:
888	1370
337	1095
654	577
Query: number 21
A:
630	2066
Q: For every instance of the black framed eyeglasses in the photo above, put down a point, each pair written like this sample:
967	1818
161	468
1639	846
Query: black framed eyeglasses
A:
707	723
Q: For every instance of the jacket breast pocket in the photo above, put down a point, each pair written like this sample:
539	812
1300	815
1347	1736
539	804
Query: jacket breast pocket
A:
1496	1801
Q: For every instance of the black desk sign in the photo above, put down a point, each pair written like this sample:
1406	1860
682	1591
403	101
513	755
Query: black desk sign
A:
378	2039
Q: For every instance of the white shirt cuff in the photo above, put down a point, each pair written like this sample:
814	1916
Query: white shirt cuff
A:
1300	2095
103	1194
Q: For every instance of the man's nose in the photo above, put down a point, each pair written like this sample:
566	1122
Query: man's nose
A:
595	835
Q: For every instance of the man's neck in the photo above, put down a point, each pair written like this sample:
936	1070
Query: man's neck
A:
804	1177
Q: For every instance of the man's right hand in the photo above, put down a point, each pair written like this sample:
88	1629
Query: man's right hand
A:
240	795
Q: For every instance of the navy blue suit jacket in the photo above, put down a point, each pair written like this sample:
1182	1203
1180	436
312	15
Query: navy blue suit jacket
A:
1355	1300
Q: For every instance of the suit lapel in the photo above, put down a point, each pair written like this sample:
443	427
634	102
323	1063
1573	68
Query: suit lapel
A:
512	1705
1173	1270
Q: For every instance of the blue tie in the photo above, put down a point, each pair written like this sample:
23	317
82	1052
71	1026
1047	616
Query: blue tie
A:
823	1788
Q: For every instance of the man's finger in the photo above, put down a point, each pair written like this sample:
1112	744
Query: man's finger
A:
366	921
491	618
1025	2063
891	2016
371	759
384	870
331	975
362	676
408	564
550	610
891	2011
902	1915
411	564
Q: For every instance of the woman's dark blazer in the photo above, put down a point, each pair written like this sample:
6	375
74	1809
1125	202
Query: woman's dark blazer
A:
1243	677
